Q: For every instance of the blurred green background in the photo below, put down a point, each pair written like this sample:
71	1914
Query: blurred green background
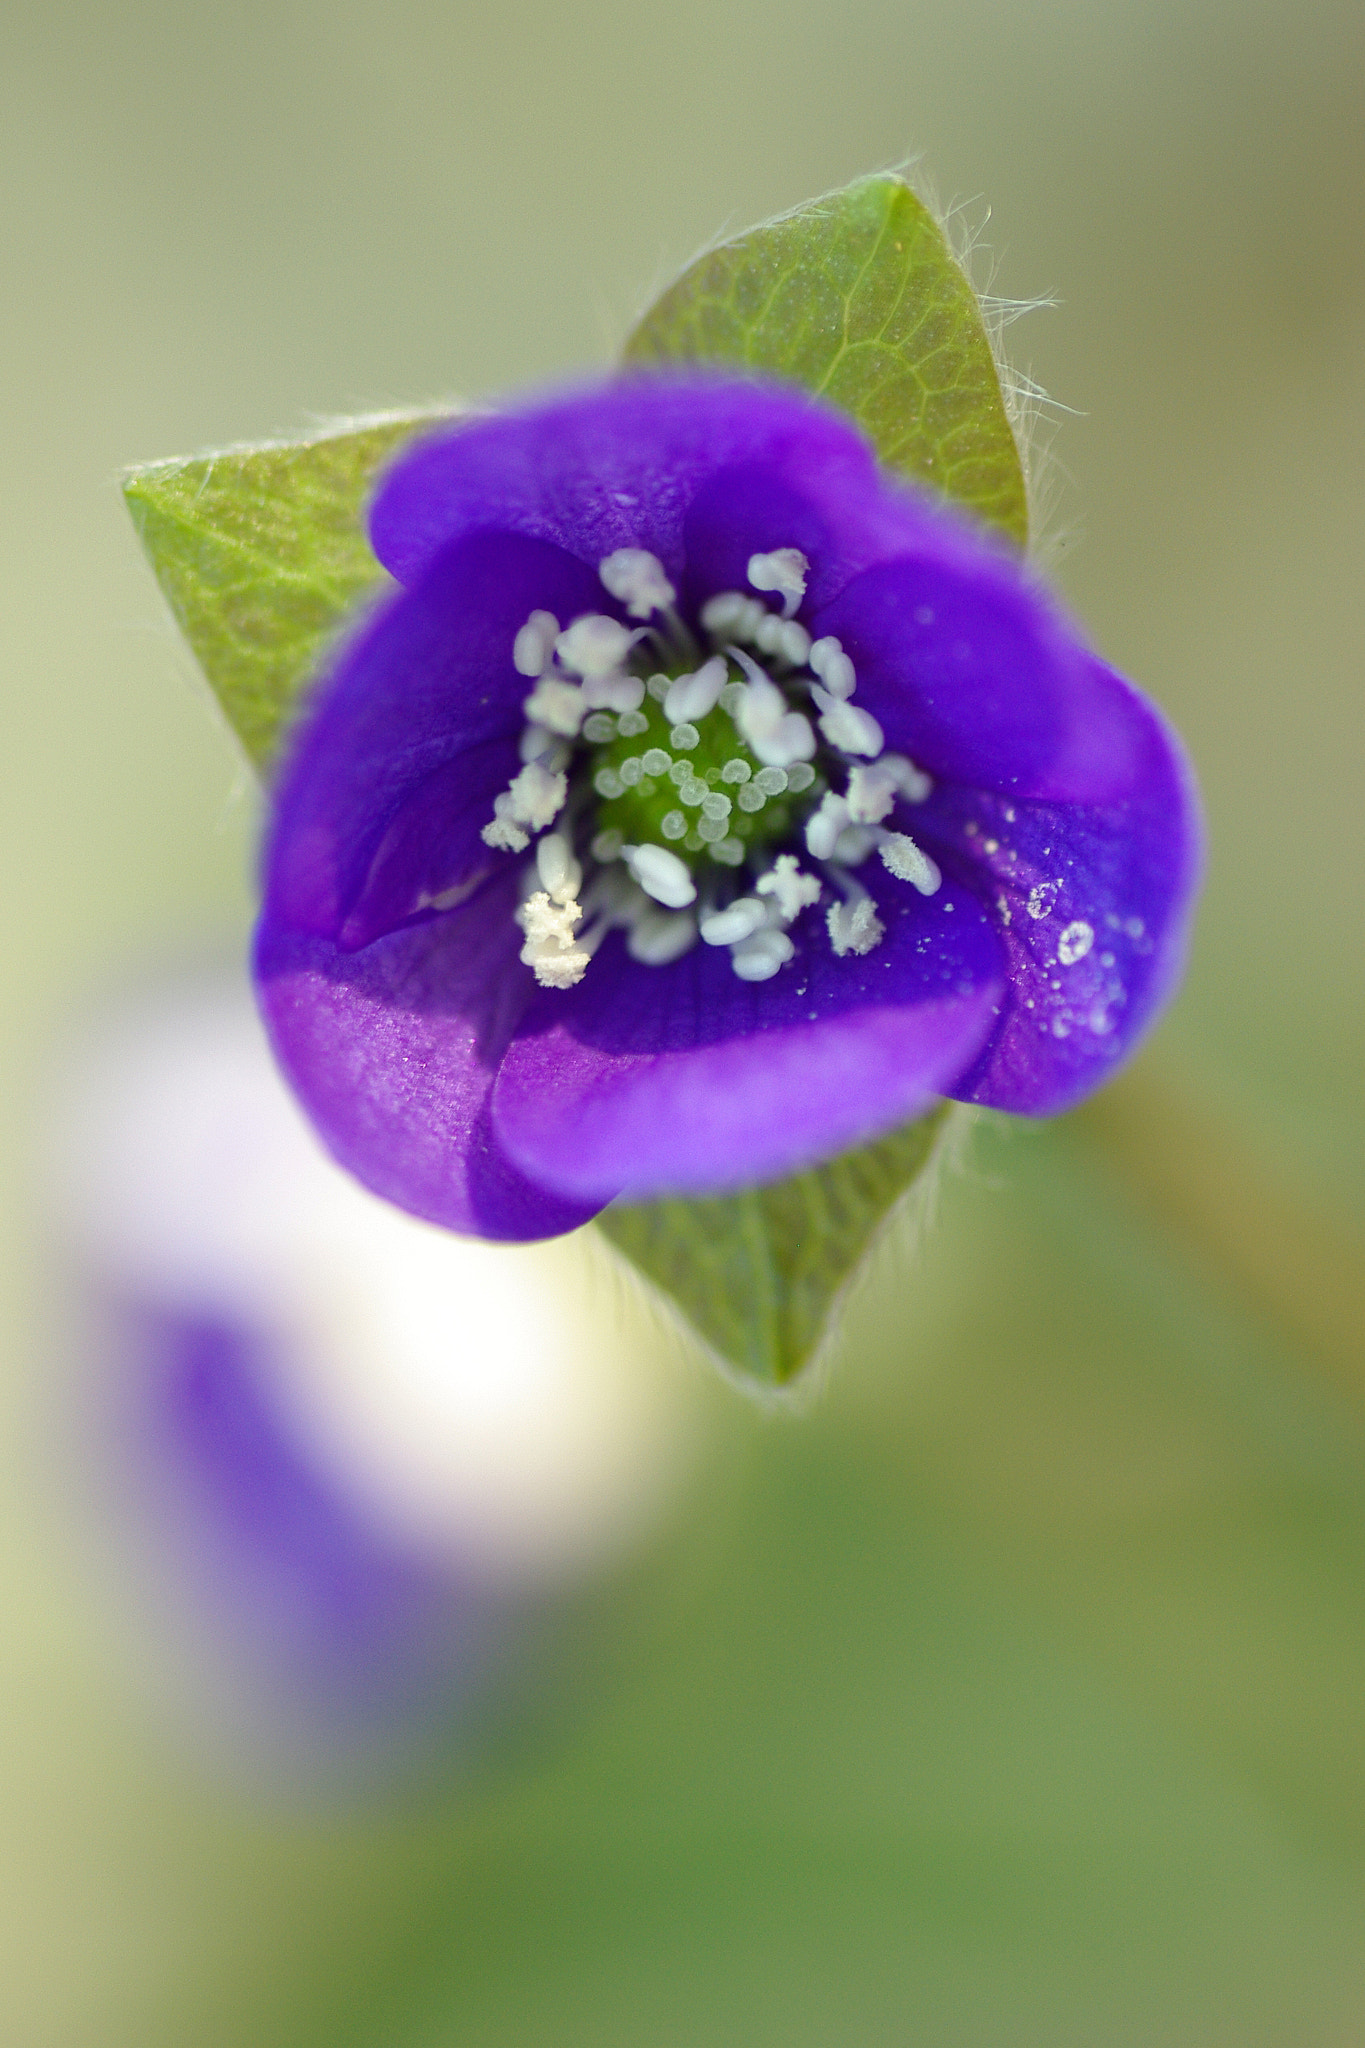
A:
1015	1695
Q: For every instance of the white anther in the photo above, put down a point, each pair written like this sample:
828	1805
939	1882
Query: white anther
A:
912	782
692	697
854	844
555	968
556	704
533	798
658	936
739	920
767	635
636	579
559	872
846	727
871	793
824	826
613	692
503	833
534	644
759	958
731	612
661	875
854	927
790	889
828	661
794	644
777	735
536	744
908	863
594	645
550	948
542	920
783	571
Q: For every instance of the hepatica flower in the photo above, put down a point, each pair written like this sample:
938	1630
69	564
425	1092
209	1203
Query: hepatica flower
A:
703	804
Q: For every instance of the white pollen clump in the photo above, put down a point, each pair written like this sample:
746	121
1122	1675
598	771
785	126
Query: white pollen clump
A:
692	697
594	645
758	958
613	693
1041	898
557	705
854	927
871	793
845	726
775	734
783	571
661	875
658	936
636	579
824	826
908	863
1075	942
534	644
550	948
828	661
534	798
739	920
789	888
559	872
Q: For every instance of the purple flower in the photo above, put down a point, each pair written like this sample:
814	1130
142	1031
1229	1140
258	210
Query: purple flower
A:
703	804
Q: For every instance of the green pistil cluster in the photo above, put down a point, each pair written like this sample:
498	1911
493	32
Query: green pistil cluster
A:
696	788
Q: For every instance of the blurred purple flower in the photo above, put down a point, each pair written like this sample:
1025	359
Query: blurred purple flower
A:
704	803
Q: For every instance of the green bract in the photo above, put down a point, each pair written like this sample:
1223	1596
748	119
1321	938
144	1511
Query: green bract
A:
858	297
759	1274
261	553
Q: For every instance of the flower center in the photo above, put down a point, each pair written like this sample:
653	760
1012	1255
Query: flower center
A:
687	788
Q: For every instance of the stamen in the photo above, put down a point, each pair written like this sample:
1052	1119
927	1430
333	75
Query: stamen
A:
912	782
534	644
790	889
556	704
759	958
594	645
550	948
832	665
731	613
854	927
692	697
661	875
784	571
559	872
871	793
909	863
536	744
534	798
739	920
660	936
854	844
824	826
845	726
613	693
636	579
775	734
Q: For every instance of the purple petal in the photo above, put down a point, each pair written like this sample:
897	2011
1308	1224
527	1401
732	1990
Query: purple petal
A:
1098	901
392	1052
684	1079
614	466
972	672
389	782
